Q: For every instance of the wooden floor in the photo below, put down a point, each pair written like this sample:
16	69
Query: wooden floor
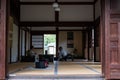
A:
64	69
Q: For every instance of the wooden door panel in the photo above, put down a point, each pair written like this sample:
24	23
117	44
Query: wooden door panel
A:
114	50
111	23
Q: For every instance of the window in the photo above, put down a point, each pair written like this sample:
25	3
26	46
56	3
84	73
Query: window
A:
37	41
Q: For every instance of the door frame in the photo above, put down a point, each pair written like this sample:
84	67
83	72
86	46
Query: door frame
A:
4	10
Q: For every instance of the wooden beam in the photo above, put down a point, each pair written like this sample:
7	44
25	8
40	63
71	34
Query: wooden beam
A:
60	3
94	53
95	1
71	30
42	32
88	46
60	24
25	29
56	16
18	56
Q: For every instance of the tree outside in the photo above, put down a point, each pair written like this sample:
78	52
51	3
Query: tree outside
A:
50	43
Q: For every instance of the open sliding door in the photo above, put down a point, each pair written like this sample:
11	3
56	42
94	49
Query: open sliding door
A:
111	25
2	39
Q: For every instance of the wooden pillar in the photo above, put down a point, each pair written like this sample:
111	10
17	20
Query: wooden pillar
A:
88	45
102	37
57	41
95	38
57	30
18	44
3	25
83	43
18	13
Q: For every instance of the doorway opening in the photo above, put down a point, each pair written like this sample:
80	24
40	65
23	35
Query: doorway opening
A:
77	41
50	44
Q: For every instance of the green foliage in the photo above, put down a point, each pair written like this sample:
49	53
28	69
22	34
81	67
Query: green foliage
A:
49	39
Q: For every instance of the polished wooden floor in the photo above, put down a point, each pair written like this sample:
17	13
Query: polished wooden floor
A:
63	70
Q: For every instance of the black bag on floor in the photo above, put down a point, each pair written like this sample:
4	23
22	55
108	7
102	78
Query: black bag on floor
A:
41	64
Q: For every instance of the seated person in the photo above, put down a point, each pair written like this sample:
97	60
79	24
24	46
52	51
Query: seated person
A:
75	53
62	54
32	53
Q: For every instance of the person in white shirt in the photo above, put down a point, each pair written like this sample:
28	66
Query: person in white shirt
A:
62	54
33	53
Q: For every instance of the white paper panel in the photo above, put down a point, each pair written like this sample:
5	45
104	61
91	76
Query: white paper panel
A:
37	41
76	13
14	48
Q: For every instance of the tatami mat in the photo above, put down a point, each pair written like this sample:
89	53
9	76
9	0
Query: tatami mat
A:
64	68
68	68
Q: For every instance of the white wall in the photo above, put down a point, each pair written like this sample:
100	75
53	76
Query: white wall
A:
46	13
76	13
14	53
63	39
97	9
77	41
36	13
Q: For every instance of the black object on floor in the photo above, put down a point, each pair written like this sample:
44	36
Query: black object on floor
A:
41	64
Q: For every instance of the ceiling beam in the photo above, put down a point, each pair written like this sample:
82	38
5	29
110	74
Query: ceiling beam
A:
61	3
95	1
60	24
